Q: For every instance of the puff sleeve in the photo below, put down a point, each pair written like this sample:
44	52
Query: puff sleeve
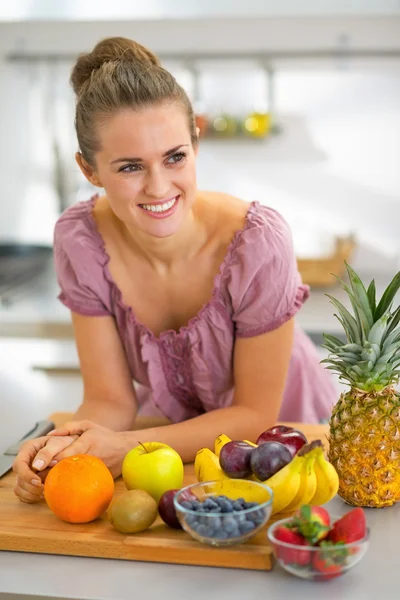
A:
265	286
79	266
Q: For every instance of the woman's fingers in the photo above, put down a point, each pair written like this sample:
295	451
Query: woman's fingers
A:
24	458
27	492
73	428
46	455
80	446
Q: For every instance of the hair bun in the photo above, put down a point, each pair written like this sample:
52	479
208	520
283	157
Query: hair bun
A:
111	49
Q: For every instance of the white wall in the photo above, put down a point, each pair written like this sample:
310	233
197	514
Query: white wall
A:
334	169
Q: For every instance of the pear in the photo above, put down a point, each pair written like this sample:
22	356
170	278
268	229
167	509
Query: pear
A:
133	511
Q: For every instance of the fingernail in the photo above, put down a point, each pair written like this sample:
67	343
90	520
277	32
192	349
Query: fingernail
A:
38	464
36	482
52	463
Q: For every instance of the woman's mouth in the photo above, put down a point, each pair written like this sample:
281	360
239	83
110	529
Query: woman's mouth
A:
162	209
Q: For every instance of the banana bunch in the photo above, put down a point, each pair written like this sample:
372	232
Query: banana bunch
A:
308	479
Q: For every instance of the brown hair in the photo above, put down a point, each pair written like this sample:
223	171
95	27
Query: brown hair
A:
120	73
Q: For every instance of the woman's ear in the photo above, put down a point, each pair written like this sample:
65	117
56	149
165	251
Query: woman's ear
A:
87	170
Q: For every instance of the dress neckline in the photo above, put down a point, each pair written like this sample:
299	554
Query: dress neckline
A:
182	331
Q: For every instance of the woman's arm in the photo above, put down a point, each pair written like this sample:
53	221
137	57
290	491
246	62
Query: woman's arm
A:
260	369
109	400
109	396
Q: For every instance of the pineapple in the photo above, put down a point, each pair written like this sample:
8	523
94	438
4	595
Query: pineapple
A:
364	434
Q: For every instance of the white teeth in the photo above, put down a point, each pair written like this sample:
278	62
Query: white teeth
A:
159	207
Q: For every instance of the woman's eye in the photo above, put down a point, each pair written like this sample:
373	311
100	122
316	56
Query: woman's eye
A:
176	158
129	169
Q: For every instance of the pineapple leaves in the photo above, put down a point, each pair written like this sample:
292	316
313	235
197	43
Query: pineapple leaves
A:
332	340
348	322
388	296
371	295
378	330
360	297
394	321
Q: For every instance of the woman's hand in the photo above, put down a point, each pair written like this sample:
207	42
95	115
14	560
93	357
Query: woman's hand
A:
108	445
34	461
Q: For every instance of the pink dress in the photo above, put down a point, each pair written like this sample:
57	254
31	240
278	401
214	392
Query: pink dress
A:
186	373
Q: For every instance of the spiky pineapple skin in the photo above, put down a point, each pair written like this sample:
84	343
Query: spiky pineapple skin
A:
364	447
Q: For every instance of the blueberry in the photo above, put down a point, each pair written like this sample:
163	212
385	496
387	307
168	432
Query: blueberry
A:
250	504
202	529
238	504
221	534
257	517
218	498
229	524
216	522
246	527
221	500
190	519
194	524
215	509
195	504
240	518
226	506
203	520
186	504
210	504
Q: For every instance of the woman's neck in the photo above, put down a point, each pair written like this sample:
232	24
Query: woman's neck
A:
164	254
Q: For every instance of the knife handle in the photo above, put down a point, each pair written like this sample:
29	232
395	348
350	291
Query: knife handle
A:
41	428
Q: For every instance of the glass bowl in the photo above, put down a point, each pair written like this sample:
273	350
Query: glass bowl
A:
313	562
224	519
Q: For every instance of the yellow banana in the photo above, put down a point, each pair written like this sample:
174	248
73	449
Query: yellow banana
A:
308	483
239	488
285	484
207	467
327	480
250	443
220	441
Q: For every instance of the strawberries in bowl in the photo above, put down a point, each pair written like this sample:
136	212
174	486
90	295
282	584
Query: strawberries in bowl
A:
313	545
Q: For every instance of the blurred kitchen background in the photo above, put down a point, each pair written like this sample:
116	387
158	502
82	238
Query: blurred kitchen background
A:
299	108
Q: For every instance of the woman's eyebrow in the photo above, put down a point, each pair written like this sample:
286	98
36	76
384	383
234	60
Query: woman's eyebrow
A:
137	159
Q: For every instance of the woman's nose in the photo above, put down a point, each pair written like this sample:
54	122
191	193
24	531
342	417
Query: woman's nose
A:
157	184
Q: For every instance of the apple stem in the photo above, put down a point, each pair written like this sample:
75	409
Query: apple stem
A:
143	447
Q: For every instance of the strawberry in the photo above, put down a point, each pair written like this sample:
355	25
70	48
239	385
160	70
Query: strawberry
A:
312	522
352	527
291	555
327	562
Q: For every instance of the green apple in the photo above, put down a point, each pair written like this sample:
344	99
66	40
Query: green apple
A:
153	467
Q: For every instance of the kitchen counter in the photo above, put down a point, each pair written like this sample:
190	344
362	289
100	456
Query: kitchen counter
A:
103	579
58	577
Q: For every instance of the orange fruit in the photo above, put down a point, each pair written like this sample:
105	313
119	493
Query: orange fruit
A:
79	488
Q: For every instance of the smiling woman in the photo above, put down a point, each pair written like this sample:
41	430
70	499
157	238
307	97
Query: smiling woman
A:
151	193
191	295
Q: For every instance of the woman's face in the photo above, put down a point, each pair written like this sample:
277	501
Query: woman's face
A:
147	167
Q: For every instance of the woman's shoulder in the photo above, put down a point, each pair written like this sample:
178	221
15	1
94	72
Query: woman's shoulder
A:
244	225
75	227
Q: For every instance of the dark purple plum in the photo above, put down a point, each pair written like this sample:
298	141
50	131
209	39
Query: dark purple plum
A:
234	459
268	458
290	437
167	510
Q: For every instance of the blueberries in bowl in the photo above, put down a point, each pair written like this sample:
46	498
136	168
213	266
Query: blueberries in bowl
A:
219	520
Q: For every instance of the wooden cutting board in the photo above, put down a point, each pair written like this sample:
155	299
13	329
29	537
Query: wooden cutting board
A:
34	528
